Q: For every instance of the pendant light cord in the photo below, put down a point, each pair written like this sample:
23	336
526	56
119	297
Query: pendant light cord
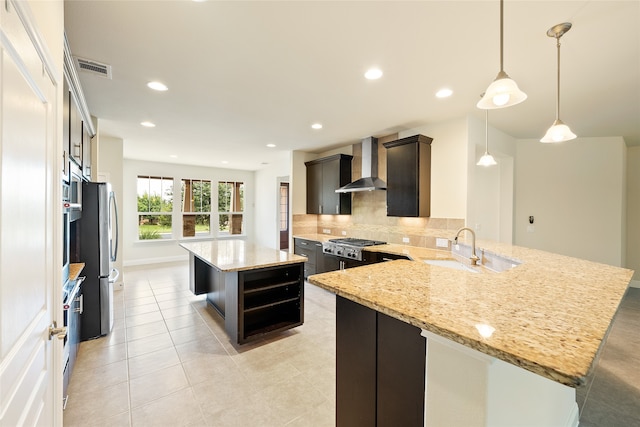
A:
486	132
558	83
501	35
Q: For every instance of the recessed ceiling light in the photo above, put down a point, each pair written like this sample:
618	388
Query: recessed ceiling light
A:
157	86
444	93
373	74
173	156
224	162
316	126
271	145
148	124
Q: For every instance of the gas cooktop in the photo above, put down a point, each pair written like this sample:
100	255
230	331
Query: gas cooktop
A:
357	242
348	247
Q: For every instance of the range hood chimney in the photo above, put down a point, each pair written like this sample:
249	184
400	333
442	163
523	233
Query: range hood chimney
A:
369	180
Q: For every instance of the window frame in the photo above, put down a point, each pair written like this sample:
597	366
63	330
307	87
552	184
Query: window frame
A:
160	213
196	212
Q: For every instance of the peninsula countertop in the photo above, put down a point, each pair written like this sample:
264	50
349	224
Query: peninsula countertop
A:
238	255
549	314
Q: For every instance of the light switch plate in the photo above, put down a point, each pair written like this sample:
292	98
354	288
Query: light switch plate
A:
405	240
326	231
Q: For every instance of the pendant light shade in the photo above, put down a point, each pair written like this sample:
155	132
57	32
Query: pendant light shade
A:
486	159
503	92
558	132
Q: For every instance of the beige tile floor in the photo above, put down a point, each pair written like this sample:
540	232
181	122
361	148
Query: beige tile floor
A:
168	362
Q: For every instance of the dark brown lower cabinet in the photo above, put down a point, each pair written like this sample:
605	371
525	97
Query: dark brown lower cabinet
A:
380	369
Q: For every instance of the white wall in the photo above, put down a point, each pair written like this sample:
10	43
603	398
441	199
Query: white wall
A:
298	177
153	251
633	213
490	189
110	170
576	193
267	201
448	166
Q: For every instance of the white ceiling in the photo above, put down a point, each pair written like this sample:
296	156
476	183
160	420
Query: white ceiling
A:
244	74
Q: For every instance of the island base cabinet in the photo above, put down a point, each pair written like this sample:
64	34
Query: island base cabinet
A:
355	364
380	369
269	300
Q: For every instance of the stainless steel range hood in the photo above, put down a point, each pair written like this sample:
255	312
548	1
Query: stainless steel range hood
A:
369	180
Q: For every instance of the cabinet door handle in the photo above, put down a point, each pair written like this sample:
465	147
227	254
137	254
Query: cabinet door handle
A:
337	209
80	308
303	243
320	209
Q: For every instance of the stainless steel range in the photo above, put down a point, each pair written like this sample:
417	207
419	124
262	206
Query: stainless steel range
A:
348	247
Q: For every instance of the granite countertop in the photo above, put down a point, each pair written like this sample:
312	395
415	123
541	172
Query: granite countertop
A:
316	237
75	269
549	314
238	255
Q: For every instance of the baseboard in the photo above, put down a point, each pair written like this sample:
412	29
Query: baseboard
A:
634	284
163	260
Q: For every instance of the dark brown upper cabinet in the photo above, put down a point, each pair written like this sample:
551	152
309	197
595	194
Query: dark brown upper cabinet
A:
66	120
86	151
409	176
75	131
324	177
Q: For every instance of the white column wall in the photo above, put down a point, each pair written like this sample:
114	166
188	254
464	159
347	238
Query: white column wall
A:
633	213
267	190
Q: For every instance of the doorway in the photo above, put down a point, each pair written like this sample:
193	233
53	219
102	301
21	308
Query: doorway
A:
284	215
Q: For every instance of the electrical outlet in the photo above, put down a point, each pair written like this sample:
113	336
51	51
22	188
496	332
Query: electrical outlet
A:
442	243
326	231
531	228
405	240
344	233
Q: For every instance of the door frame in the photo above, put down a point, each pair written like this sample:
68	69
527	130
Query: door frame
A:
51	95
283	180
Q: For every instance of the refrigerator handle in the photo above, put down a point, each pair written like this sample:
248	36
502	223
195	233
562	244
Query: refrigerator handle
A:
114	246
113	279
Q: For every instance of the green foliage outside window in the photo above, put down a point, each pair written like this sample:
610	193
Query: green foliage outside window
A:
155	206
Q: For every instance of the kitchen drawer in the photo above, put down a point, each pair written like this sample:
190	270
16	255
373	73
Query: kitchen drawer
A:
311	249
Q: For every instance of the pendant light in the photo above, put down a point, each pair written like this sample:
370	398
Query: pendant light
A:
486	159
558	132
503	92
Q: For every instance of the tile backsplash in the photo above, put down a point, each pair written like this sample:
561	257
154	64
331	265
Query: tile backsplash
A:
371	224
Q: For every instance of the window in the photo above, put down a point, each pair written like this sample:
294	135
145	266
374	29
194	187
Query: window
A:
155	206
196	208
230	207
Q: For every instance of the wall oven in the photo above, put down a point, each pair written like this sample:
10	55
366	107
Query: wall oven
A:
75	193
66	233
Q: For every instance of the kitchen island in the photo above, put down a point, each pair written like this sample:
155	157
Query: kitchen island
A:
257	290
502	348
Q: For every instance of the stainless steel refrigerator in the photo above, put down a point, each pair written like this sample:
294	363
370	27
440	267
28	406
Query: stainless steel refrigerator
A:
98	229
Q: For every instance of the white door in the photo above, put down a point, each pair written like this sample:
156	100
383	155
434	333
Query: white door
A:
30	264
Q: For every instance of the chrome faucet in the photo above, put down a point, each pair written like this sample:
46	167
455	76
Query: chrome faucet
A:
474	258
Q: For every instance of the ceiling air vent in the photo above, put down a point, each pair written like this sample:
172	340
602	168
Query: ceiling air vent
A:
93	67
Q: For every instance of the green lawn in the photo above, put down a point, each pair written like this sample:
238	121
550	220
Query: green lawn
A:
151	232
